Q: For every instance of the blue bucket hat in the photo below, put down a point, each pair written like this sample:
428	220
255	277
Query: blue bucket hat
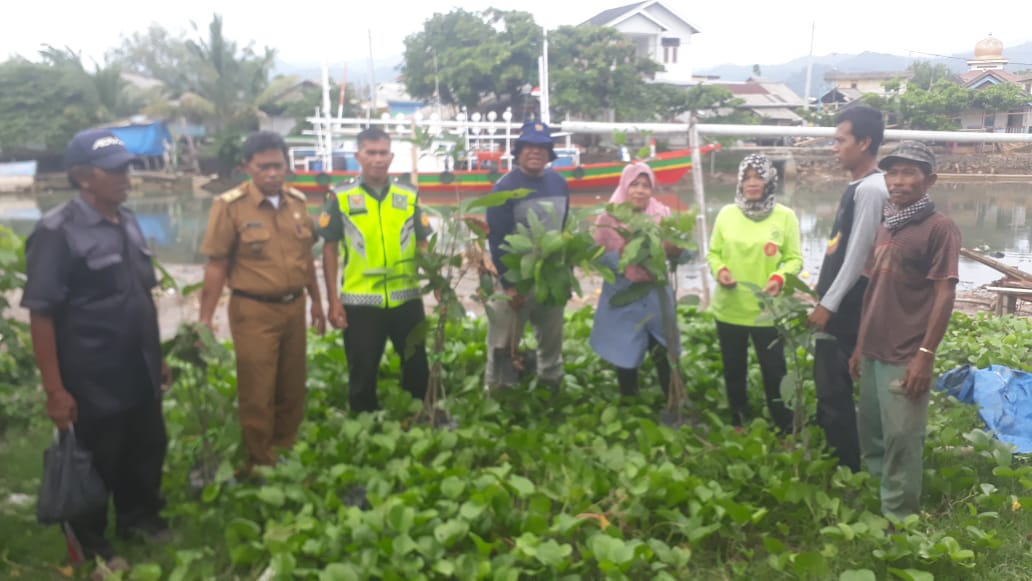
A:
535	133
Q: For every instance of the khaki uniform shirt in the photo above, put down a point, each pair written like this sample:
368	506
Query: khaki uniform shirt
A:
269	249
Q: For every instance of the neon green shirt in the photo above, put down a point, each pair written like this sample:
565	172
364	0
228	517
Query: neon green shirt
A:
752	252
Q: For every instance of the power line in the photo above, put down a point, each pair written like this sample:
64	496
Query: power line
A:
960	58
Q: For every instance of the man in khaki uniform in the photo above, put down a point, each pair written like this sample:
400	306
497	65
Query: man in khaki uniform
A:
259	241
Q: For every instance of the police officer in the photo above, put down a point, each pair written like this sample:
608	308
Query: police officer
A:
379	226
259	242
95	336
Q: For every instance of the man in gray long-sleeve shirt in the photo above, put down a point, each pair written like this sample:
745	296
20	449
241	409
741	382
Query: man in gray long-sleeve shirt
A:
841	285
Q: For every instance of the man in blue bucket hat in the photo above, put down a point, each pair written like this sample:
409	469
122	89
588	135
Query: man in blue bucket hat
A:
549	200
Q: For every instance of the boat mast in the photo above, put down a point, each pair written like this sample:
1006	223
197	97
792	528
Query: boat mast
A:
543	80
343	84
372	79
809	69
326	145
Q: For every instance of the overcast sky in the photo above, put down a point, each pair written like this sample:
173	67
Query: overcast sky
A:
744	32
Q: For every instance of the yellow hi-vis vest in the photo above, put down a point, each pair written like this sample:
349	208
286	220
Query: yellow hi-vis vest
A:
380	246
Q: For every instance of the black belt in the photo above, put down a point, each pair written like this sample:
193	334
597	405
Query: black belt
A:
287	298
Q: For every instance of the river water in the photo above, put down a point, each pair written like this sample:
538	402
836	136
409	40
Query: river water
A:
992	216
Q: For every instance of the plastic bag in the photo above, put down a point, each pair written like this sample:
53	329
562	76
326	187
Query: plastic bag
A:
71	486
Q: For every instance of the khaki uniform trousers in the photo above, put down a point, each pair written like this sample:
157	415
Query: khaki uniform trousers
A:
270	341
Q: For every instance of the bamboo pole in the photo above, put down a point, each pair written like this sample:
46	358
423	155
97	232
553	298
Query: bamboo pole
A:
997	265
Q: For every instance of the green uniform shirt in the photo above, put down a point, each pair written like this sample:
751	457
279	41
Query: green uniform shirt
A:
752	252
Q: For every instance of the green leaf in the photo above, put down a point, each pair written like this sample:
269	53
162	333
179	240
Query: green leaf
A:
611	549
272	495
401	518
446	568
858	575
551	553
631	294
452	487
470	510
284	564
146	572
521	485
495	199
912	574
241	530
340	572
810	564
225	472
450	532
630	253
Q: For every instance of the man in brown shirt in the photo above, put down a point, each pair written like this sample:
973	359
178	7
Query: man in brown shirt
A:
907	307
259	242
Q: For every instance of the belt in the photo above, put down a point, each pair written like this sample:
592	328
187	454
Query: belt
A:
287	298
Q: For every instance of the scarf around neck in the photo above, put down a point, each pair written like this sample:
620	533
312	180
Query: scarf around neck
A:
896	217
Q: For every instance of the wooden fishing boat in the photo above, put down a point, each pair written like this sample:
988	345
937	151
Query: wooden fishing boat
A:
669	167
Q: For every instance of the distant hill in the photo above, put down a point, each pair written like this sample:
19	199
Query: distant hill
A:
793	73
385	69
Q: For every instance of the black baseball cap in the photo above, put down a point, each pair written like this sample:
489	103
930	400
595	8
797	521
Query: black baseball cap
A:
98	148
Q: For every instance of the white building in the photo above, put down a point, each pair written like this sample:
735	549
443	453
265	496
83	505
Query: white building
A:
658	33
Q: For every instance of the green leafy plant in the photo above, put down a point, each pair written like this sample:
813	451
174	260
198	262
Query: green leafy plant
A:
788	313
450	255
541	261
571	485
19	399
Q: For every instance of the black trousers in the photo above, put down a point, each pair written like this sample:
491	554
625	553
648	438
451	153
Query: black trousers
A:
836	407
364	342
128	452
627	377
734	350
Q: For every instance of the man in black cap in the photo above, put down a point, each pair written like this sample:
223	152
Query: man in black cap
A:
95	335
913	272
549	200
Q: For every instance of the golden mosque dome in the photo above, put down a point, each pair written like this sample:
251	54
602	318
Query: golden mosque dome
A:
989	48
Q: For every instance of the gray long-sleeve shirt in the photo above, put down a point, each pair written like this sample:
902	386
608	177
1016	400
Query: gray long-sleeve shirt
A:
870	199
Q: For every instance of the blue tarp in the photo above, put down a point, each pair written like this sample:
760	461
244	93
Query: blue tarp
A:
144	139
1003	396
18	168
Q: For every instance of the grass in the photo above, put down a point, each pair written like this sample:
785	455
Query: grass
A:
32	552
29	551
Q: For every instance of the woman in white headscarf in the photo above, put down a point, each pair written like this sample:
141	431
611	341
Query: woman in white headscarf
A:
754	240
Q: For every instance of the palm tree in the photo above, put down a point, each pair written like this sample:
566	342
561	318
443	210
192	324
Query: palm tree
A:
231	82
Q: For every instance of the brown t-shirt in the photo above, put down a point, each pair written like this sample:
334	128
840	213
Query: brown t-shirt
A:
903	268
269	249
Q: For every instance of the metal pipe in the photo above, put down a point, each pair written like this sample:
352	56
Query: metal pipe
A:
707	129
711	129
700	218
